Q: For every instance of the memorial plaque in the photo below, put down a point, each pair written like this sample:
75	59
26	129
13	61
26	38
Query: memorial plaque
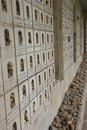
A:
30	64
17	6
42	40
45	93
42	19
32	87
39	81
27	14
7	42
36	17
9	73
21	68
12	104
34	106
29	40
44	59
24	94
44	77
14	123
25	118
38	62
40	99
37	40
5	12
19	41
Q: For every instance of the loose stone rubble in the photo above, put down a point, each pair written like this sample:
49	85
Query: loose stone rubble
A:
68	113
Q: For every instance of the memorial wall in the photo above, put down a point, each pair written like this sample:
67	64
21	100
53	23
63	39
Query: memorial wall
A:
85	35
27	70
29	94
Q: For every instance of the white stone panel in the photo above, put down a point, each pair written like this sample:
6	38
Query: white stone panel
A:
12	104
6	12
9	73
27	14
7	46
25	118
17	6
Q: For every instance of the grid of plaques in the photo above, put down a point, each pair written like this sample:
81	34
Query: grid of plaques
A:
27	71
78	33
71	23
86	35
67	30
82	35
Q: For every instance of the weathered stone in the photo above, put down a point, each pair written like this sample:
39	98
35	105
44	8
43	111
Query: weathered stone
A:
57	119
58	125
69	122
65	114
51	127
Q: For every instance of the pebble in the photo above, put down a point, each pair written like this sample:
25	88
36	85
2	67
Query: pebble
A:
67	116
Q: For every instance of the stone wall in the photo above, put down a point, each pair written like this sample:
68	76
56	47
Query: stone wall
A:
29	95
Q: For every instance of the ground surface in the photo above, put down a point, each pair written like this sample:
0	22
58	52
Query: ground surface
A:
85	118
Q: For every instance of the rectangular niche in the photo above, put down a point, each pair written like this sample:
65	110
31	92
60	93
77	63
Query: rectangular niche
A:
27	14
14	123
34	108
47	40
45	96
30	64
42	40
39	82
9	73
19	40
25	118
37	40
5	12
40	100
32	87
42	19
36	17
38	61
29	40
7	42
44	59
17	6
21	68
49	74
12	104
44	77
24	94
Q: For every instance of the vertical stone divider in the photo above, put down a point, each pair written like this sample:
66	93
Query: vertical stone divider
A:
82	35
81	26
58	44
85	50
74	34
